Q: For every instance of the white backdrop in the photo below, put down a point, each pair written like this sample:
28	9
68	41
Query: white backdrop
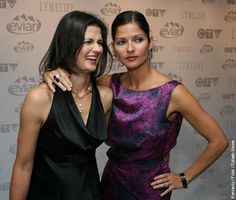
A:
195	44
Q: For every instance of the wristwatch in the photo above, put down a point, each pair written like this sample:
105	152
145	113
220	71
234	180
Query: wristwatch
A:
183	180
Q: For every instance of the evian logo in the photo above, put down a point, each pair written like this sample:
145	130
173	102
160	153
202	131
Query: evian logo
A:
172	30
206	48
3	3
229	64
231	16
23	24
111	9
23	85
227	110
23	47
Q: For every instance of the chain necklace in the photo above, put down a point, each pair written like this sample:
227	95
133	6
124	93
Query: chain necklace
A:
80	97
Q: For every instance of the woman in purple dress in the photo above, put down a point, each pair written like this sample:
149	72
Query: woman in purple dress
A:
147	112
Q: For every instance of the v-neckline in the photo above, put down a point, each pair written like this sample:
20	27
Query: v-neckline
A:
77	109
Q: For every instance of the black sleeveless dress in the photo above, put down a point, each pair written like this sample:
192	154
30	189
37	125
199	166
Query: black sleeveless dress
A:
65	167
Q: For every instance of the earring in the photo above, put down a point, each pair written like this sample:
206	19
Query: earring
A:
149	55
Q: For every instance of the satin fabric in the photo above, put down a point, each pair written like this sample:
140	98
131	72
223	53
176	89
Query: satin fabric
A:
139	136
65	167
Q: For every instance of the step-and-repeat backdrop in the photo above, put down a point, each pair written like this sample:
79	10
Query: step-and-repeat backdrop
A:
195	43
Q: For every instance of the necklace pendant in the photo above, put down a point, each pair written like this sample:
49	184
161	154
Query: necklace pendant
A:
80	107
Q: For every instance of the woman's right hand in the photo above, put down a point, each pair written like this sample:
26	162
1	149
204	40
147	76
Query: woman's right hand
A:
57	77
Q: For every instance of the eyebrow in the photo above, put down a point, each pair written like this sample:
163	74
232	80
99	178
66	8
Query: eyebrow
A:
143	35
93	39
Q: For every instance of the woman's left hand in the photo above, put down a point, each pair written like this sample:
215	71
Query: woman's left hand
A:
170	181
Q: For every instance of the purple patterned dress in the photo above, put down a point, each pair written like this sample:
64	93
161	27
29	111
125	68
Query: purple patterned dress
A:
139	136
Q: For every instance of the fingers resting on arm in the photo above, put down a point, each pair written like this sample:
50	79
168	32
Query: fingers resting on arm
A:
57	77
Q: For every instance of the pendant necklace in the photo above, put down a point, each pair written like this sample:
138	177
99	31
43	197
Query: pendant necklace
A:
80	97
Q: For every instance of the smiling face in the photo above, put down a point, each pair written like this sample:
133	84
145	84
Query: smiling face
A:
131	45
91	50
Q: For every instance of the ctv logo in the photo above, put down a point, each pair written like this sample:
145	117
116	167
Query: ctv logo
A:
155	12
207	82
3	3
209	33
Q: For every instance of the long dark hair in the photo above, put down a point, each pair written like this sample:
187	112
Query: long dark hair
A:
128	17
68	39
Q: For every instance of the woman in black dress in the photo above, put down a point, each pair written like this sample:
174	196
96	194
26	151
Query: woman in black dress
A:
59	132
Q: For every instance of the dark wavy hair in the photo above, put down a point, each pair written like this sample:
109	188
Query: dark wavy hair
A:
69	38
128	17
